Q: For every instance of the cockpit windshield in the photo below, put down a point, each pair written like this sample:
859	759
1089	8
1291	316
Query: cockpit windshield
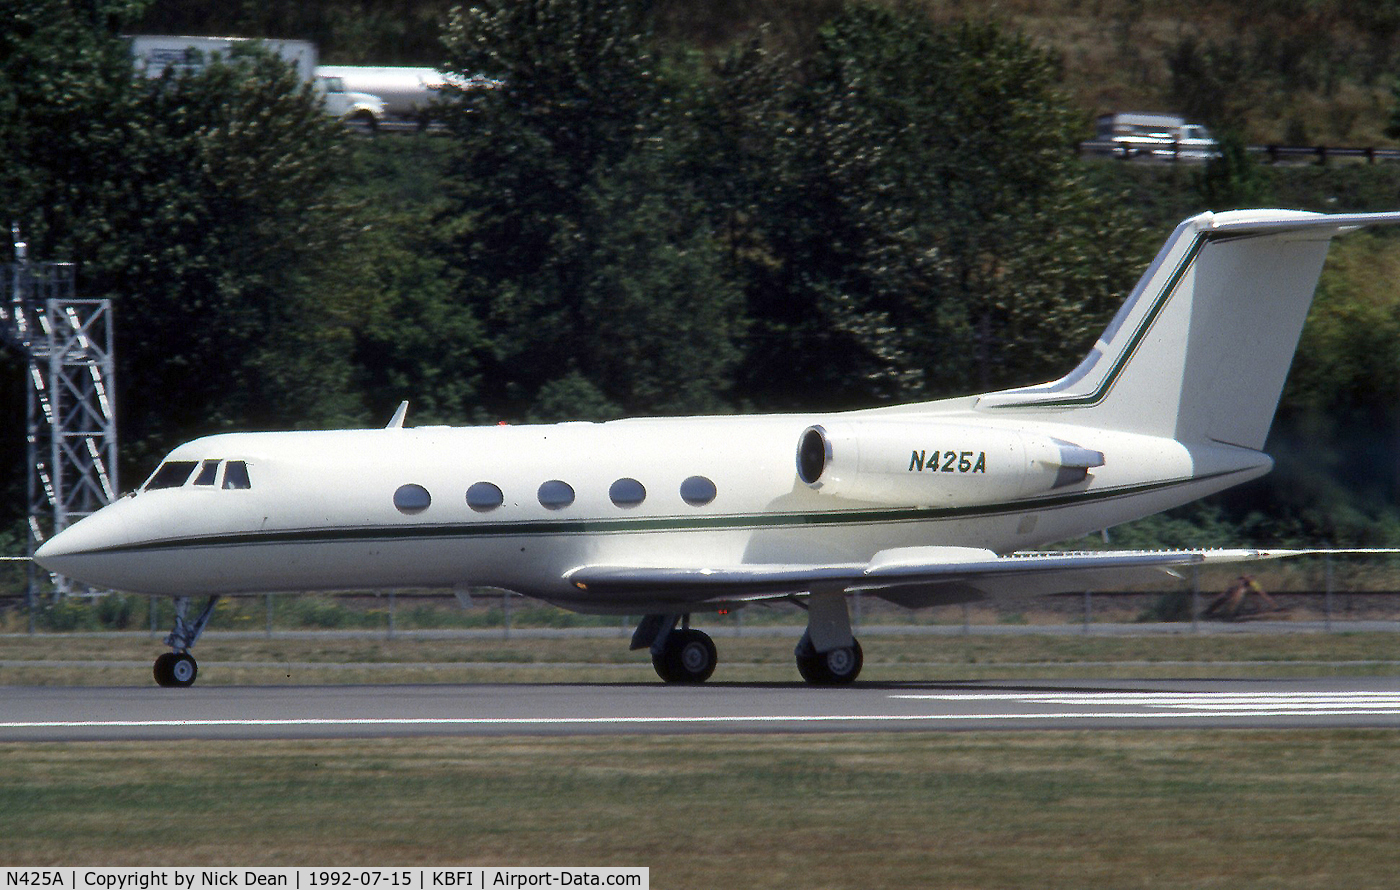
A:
208	470
236	475
171	474
177	473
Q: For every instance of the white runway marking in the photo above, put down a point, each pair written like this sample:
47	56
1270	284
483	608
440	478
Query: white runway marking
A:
1025	706
1197	704
533	721
455	711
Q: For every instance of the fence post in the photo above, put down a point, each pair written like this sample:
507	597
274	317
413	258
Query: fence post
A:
1327	596
1195	599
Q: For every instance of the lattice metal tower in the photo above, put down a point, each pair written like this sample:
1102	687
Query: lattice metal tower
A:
71	422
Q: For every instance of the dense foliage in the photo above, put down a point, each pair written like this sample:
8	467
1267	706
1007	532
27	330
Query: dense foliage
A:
581	242
885	209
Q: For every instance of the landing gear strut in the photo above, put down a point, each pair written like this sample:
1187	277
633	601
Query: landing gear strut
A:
679	654
178	667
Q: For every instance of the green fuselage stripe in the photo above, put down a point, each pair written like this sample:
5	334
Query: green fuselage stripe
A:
474	530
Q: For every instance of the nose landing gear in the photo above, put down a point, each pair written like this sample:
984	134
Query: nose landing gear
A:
178	667
175	669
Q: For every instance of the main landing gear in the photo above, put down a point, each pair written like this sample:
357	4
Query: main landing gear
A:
679	654
178	667
827	655
834	668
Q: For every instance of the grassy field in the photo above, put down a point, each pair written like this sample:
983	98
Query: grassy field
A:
125	659
1141	809
976	810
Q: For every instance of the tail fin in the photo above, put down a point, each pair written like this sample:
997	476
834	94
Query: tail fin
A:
1200	350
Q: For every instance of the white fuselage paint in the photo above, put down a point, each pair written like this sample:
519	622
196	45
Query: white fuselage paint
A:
320	513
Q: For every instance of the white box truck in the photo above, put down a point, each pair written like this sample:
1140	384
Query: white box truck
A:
153	54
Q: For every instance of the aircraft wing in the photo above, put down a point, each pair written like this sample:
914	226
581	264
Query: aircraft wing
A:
914	576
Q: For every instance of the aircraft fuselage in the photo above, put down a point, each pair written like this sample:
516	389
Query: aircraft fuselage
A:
329	510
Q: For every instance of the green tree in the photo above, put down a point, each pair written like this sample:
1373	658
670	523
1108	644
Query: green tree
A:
1392	129
65	107
921	222
582	247
203	203
1338	433
66	103
229	223
1213	82
413	339
1232	180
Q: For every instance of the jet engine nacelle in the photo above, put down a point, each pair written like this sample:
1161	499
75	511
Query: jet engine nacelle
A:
937	464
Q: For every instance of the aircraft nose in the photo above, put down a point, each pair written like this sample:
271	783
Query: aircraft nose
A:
79	551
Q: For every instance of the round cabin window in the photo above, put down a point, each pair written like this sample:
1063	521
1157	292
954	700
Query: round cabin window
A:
556	495
627	493
411	499
484	496
697	491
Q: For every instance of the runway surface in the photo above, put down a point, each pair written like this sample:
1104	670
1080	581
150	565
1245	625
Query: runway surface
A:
76	714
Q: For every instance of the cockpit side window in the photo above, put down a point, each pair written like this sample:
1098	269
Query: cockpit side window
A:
207	471
171	474
236	475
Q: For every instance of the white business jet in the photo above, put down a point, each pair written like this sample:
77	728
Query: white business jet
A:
921	504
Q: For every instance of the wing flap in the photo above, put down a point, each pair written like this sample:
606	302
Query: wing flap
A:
774	579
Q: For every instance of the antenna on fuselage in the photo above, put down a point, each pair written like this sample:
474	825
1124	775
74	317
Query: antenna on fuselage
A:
397	422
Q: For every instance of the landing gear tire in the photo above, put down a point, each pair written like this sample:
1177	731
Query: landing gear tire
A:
835	668
176	669
689	656
162	669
